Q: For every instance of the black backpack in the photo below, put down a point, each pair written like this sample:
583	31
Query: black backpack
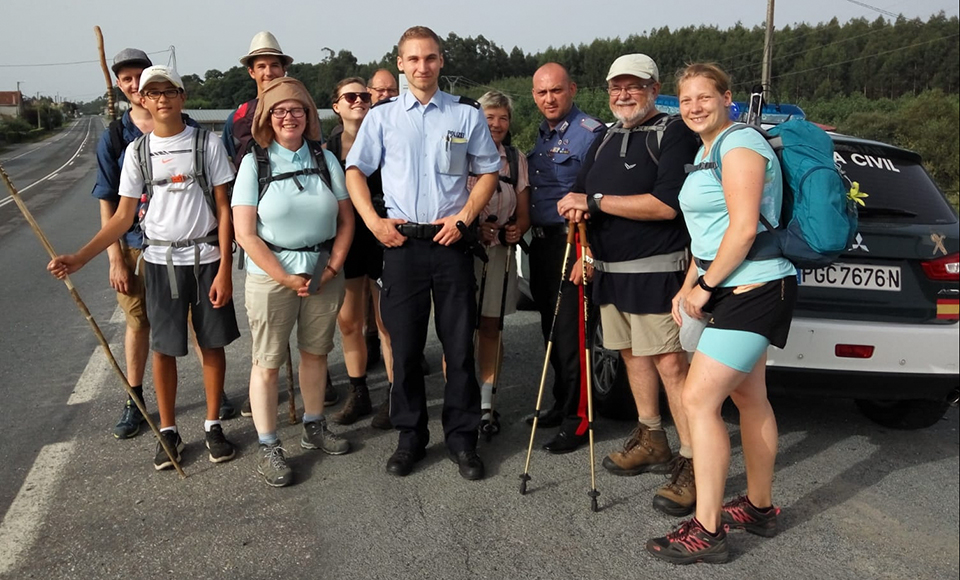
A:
654	135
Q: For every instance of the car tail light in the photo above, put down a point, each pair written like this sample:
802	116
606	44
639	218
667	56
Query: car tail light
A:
946	269
853	350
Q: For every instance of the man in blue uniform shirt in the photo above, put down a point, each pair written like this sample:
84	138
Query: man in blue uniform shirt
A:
564	137
425	142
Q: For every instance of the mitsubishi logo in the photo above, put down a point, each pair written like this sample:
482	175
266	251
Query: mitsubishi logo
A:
858	244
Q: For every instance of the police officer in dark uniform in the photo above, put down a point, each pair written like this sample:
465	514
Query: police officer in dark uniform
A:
564	137
425	142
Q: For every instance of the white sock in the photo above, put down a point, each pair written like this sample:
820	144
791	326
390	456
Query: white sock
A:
174	429
652	423
486	396
208	424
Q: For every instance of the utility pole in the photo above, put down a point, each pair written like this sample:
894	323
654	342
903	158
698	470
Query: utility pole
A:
19	100
767	49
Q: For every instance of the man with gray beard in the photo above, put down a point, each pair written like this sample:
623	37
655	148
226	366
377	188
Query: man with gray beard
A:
630	182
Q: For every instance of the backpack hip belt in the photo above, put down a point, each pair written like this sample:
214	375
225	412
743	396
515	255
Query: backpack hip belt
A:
211	238
661	263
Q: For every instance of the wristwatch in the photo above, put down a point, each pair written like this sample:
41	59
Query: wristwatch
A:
593	203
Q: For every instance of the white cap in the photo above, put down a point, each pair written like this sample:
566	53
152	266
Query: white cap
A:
265	44
637	65
157	73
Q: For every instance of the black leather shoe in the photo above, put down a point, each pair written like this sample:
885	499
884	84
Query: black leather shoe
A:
402	461
565	442
551	418
470	464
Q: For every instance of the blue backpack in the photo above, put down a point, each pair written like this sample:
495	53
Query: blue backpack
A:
817	220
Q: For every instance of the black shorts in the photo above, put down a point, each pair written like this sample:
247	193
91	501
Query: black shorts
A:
766	310
365	257
215	327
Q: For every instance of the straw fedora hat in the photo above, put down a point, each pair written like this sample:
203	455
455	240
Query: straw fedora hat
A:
265	43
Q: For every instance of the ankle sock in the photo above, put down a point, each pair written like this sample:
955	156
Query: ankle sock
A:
268	438
763	510
174	429
312	418
686	451
486	396
360	381
208	424
715	534
652	423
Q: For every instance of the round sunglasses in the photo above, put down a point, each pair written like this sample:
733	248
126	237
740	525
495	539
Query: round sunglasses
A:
352	97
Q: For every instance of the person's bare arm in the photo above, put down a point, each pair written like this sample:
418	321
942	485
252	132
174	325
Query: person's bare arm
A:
119	272
221	291
121	221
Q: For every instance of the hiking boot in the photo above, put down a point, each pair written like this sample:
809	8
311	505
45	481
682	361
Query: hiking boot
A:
317	436
227	409
220	449
382	419
172	438
130	420
272	465
690	543
678	497
644	450
245	410
740	514
330	395
357	405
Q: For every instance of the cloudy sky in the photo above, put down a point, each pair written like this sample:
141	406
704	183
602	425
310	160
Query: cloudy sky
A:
213	34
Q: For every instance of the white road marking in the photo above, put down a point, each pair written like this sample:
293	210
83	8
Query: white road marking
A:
98	371
45	143
9	198
21	523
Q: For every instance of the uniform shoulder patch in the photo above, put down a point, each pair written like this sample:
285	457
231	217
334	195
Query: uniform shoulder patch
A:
384	102
591	124
468	101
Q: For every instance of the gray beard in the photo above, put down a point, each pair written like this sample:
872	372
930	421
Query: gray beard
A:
636	117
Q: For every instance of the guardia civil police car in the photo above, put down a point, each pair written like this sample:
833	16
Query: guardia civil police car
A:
881	324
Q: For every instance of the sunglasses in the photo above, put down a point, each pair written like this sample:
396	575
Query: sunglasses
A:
352	97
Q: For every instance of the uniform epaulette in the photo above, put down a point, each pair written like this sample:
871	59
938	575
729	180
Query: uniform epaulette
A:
469	101
591	124
384	101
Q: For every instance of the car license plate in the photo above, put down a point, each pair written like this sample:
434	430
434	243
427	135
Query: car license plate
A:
863	277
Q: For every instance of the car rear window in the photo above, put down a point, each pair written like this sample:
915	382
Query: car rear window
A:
899	188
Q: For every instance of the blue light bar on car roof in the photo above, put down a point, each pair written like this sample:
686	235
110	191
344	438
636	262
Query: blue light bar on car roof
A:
771	113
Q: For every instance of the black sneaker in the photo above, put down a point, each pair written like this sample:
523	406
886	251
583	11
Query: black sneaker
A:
227	409
129	424
245	410
689	544
162	461
220	449
740	514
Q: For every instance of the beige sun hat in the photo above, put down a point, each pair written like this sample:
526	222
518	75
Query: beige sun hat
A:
265	44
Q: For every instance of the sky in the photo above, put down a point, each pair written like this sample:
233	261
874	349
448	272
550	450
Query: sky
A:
213	34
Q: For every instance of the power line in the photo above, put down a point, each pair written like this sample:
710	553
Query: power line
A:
799	52
66	63
874	8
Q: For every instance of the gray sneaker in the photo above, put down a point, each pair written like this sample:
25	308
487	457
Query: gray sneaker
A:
272	465
317	436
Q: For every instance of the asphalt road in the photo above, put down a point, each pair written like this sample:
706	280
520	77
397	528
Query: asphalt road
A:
859	501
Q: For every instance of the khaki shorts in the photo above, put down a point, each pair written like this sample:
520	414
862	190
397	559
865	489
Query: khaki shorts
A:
132	304
644	334
273	310
495	270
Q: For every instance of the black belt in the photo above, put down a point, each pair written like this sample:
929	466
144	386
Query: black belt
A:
327	245
419	231
549	231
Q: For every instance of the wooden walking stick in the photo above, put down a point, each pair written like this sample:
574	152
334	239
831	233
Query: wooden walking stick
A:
588	360
106	73
89	317
292	393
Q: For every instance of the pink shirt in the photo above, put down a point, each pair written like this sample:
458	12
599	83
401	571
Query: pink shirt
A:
503	204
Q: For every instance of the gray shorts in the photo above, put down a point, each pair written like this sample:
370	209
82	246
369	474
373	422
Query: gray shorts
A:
214	327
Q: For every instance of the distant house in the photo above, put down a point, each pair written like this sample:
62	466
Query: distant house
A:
11	103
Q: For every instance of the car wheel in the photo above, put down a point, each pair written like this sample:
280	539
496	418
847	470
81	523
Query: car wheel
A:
909	414
611	391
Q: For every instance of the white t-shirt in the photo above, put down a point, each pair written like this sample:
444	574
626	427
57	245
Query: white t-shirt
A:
177	211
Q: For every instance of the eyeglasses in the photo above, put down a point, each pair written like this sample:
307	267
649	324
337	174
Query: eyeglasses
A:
155	95
352	97
389	91
632	89
295	112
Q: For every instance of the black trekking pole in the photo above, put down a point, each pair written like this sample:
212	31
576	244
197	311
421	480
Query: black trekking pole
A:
525	476
483	285
492	427
588	353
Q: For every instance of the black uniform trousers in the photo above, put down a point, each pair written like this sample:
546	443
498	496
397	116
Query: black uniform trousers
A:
411	274
546	258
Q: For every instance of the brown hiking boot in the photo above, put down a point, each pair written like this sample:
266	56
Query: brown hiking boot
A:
382	419
679	496
357	405
644	451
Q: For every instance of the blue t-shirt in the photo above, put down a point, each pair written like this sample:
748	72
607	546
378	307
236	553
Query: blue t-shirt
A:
705	210
288	216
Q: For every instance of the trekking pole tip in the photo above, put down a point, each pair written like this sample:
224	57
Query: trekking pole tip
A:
524	478
594	494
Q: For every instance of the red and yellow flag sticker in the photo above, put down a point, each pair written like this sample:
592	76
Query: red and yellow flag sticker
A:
948	309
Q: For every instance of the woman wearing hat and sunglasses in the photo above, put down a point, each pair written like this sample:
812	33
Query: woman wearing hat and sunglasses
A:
351	102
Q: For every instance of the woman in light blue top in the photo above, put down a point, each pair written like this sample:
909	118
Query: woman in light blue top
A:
746	305
297	230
